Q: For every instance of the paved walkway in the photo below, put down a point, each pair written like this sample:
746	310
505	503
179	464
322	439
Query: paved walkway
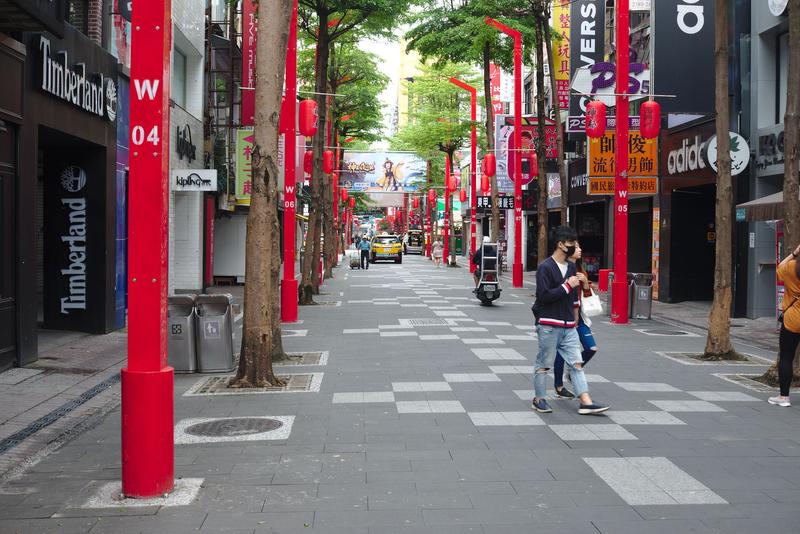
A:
422	423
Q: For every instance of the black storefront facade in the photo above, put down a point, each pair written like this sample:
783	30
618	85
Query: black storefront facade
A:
58	157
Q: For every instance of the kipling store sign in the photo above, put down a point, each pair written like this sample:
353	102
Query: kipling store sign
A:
96	94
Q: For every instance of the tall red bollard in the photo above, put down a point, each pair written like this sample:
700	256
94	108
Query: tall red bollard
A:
147	382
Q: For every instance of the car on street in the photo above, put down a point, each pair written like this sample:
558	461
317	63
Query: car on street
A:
414	242
386	247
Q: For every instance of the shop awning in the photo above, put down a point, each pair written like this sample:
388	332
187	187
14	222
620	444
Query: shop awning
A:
768	208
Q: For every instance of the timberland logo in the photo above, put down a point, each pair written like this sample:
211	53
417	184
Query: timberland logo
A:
73	179
97	96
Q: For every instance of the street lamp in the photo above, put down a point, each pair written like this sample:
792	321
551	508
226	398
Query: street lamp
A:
517	36
473	201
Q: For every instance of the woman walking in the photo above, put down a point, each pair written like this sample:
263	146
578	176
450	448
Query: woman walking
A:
789	274
584	330
437	251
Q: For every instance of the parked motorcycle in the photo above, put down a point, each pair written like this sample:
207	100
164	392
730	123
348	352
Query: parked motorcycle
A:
488	289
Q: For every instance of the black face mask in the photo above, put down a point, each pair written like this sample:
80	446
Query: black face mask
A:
570	251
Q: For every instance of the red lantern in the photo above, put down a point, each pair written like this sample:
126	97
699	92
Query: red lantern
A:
308	161
485	186
489	165
344	194
650	119
533	163
453	185
416	202
327	161
308	118
595	119
431	195
462	195
352	202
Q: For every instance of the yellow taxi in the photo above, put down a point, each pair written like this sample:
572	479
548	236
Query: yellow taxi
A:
386	247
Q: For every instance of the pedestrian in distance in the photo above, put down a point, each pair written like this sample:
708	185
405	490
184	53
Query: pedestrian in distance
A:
584	329
363	246
556	310
437	252
789	274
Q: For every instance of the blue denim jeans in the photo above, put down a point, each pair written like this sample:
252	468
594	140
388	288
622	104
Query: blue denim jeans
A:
589	349
554	340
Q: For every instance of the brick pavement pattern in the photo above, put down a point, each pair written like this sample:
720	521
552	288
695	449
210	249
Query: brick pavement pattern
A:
422	424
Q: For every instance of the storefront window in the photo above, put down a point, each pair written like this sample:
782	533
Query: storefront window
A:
179	77
783	74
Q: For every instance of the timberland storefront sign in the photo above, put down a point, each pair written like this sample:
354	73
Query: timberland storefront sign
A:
92	92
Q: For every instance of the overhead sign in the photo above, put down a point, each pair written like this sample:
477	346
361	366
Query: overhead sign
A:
250	31
740	153
587	42
600	79
577	124
561	51
636	186
683	55
505	149
382	172
503	202
495	74
642	155
194	180
639	5
244	167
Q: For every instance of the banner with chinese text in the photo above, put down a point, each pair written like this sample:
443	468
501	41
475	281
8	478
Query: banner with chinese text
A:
642	159
244	167
561	51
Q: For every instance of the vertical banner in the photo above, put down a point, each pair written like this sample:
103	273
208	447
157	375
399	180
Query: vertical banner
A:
682	45
244	167
587	42
494	83
250	31
561	51
656	257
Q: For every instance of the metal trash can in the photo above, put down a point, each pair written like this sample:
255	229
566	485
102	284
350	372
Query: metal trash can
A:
642	299
609	293
182	344
214	333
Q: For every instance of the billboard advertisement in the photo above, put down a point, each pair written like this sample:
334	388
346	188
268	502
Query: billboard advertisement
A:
587	42
504	147
382	172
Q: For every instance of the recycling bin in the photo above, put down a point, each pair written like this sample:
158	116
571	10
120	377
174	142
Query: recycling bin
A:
603	280
609	298
642	299
181	345
214	333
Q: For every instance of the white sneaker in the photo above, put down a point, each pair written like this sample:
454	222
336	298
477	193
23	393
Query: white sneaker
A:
780	401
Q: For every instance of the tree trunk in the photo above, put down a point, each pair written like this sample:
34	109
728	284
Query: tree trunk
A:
718	342
487	96
309	283
562	164
791	151
542	26
329	246
262	290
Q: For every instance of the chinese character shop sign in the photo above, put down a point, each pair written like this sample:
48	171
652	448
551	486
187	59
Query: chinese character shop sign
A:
642	160
561	50
244	167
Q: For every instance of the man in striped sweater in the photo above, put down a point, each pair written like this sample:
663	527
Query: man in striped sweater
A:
556	311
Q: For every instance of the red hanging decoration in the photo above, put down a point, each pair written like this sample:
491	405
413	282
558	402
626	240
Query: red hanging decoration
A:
453	185
533	163
650	119
489	165
485	185
344	194
462	195
416	202
308	118
352	202
308	162
327	161
431	195
595	119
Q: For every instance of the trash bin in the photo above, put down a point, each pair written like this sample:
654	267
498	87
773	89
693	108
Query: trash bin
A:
642	300
609	293
182	345
214	333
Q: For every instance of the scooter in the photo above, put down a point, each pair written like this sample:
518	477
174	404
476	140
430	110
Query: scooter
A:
488	289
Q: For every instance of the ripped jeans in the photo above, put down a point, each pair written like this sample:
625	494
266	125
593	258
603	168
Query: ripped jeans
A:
554	340
589	349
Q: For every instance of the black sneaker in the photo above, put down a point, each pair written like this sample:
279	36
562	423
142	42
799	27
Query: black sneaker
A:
541	406
592	409
564	393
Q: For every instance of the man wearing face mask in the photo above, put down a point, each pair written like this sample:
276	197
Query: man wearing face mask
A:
556	312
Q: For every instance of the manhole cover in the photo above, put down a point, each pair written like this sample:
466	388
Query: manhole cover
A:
242	426
424	322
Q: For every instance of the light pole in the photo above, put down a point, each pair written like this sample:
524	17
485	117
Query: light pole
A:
288	113
148	460
446	229
619	287
473	199
517	36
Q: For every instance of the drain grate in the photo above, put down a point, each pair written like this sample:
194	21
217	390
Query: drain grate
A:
218	385
425	322
227	428
746	380
693	358
304	358
665	333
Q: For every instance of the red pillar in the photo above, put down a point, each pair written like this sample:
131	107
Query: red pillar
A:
619	288
430	228
517	267
446	231
289	283
147	391
473	99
